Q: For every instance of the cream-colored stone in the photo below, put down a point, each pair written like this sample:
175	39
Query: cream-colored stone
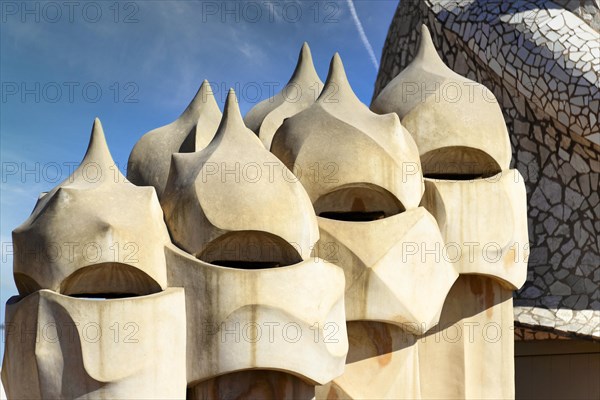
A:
60	347
484	224
252	302
288	319
394	267
470	354
382	363
342	151
457	123
150	159
233	196
252	384
300	92
95	233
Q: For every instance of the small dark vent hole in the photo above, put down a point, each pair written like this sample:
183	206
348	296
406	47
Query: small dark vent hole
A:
103	296
456	177
247	264
356	216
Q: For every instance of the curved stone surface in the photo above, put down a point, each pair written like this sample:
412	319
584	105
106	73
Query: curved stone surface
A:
536	50
350	146
394	269
287	319
150	159
484	224
60	347
382	363
456	134
541	63
300	92
220	201
252	384
95	233
470	354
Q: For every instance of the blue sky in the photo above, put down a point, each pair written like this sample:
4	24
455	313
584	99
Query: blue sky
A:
136	65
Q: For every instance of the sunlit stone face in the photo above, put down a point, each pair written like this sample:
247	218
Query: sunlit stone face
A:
94	234
300	92
150	159
234	202
457	123
240	214
339	146
367	195
272	272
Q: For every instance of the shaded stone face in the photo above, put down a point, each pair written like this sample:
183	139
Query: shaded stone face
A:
541	60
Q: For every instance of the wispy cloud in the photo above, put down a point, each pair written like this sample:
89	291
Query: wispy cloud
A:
362	34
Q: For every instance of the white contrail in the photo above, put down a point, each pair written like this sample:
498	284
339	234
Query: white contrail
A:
363	35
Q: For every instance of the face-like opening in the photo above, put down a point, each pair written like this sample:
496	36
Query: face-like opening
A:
359	202
109	281
458	163
250	250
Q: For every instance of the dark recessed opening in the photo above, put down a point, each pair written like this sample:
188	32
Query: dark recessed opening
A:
458	163
247	264
455	177
360	202
358	216
250	250
109	280
189	143
103	296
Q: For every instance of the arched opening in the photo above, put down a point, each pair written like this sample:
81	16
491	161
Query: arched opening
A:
358	202
458	163
109	281
250	250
